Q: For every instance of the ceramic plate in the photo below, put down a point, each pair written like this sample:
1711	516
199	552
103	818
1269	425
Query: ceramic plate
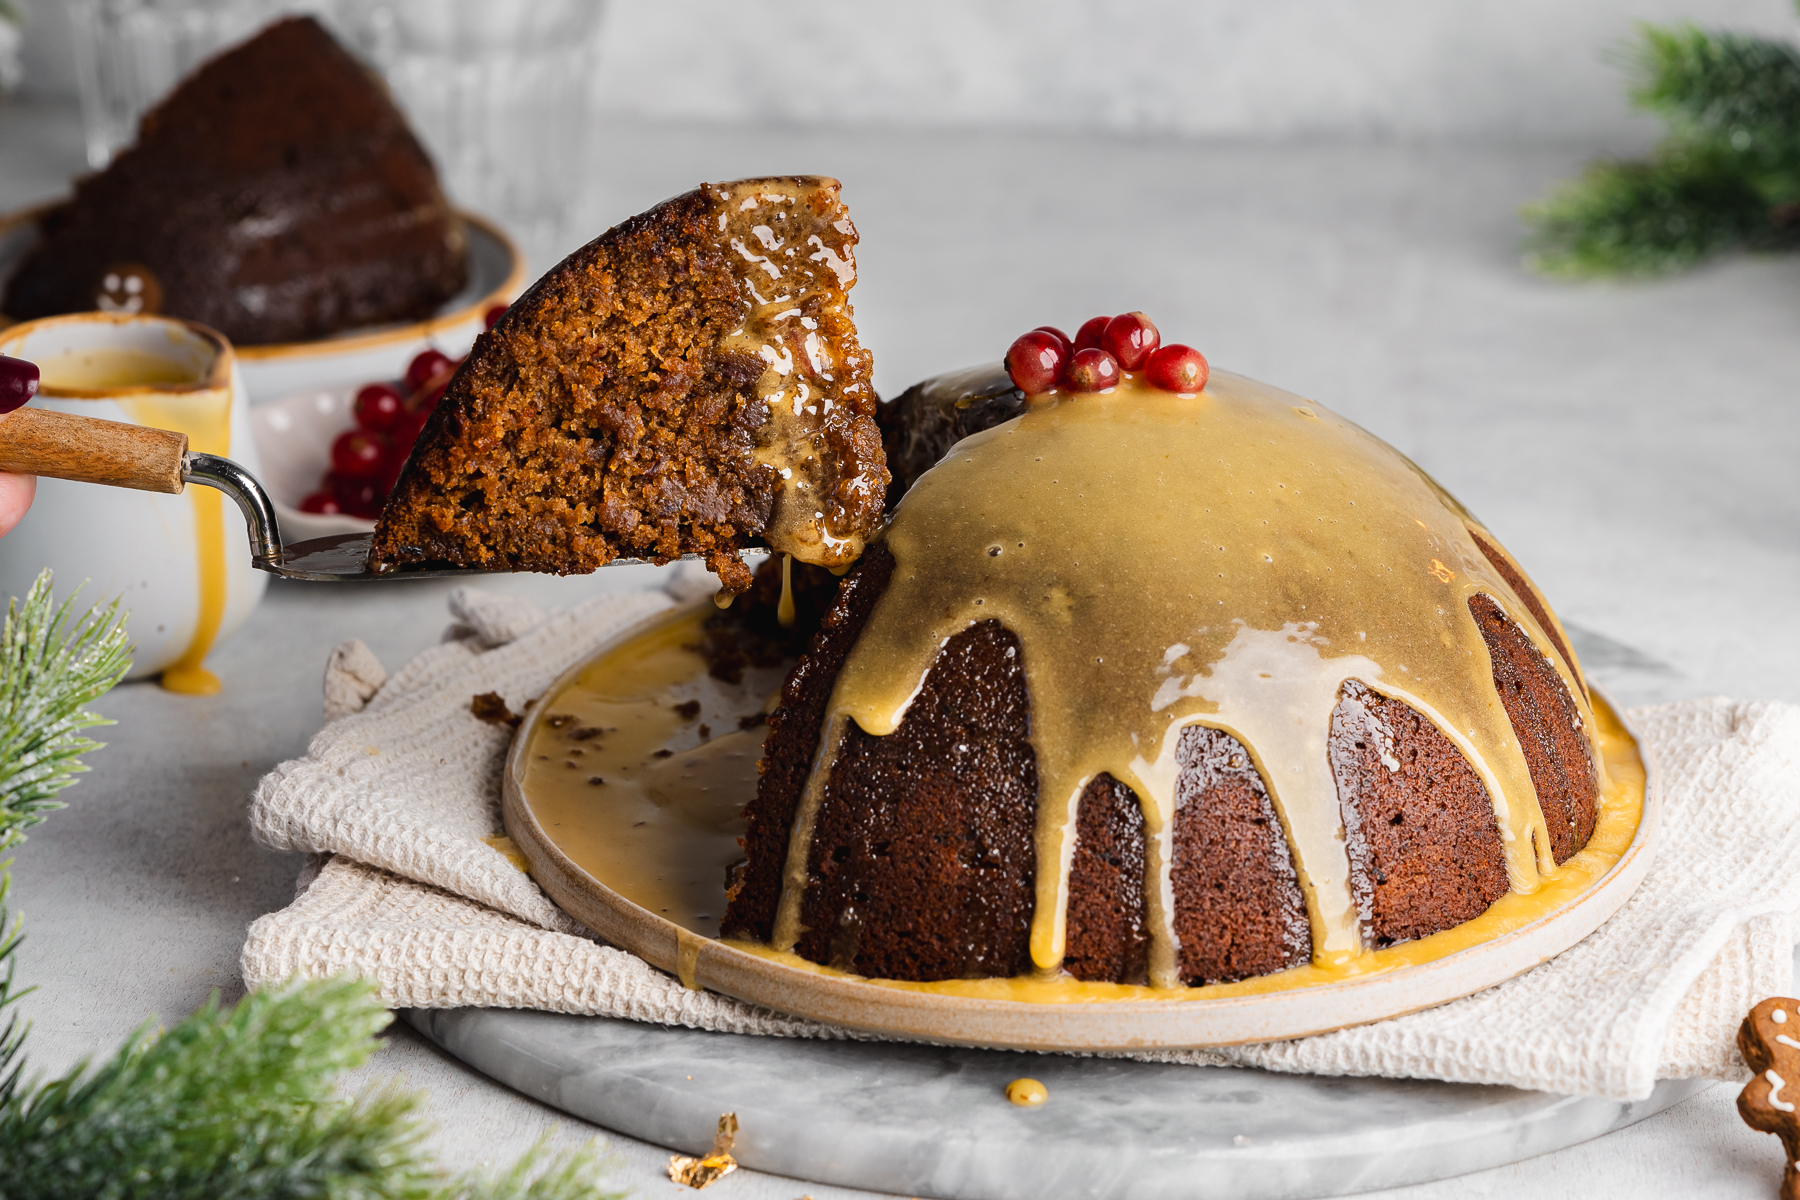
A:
1010	1024
496	274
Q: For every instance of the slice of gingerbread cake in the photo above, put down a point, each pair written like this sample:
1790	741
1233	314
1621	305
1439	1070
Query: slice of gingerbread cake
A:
276	195
688	382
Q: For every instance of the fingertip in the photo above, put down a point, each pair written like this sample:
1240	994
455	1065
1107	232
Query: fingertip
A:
16	492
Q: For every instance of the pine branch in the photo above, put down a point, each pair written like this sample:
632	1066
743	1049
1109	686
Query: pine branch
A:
51	668
541	1174
1727	175
1739	92
227	1104
12	1038
240	1105
1646	218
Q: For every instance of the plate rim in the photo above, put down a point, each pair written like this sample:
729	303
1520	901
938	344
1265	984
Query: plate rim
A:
1153	1024
369	338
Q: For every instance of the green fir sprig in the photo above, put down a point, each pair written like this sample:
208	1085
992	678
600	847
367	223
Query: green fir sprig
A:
1725	176
540	1174
51	668
239	1104
229	1103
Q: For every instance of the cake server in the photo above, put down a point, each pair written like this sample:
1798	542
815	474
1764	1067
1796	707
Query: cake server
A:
37	441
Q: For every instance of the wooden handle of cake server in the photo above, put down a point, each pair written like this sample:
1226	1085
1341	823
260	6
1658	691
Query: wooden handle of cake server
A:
39	441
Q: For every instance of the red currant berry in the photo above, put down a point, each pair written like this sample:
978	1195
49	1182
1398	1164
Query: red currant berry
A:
408	433
1131	339
425	403
358	497
18	382
358	454
390	471
427	367
1092	370
379	408
1089	335
1063	338
1035	362
493	315
1177	368
321	502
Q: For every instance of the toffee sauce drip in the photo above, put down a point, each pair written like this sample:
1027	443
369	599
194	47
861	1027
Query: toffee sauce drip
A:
793	248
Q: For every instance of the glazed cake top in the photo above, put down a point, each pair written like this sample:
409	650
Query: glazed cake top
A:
1227	558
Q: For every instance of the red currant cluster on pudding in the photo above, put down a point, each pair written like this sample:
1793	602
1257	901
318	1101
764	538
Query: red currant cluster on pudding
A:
1104	351
366	460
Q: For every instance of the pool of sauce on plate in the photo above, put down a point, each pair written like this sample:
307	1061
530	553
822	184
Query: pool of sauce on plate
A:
639	771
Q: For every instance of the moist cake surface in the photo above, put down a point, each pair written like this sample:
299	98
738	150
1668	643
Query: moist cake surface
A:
689	382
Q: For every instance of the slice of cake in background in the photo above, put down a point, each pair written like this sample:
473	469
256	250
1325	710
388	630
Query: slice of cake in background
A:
276	195
688	382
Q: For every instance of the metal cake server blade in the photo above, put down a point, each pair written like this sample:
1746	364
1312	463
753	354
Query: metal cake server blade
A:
344	558
338	558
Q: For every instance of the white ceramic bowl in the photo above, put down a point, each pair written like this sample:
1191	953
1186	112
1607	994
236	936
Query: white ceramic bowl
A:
496	275
293	438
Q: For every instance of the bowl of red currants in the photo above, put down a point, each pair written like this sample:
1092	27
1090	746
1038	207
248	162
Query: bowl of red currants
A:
331	455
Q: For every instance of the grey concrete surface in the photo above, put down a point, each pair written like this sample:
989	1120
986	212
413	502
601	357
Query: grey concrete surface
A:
1273	68
1634	446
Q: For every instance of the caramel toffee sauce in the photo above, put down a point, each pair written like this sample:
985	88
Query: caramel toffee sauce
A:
1227	559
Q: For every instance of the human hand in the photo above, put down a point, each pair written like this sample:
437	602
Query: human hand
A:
18	383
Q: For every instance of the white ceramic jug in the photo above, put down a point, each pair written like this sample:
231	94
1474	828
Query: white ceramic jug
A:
181	563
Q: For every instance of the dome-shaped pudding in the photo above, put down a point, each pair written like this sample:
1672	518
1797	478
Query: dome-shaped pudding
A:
1150	687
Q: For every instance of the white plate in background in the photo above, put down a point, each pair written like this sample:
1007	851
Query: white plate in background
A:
271	372
293	437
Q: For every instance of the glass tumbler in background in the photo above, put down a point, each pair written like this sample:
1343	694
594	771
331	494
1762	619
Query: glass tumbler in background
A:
501	92
129	53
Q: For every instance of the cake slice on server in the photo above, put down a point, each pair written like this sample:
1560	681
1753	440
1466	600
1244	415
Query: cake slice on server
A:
688	382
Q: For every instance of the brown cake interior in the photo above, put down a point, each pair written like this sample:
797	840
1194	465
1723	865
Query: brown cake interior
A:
1108	934
1238	907
945	807
1424	848
645	400
1525	591
795	728
1549	728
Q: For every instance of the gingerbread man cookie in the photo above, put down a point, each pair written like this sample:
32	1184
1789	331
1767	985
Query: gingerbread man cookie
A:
128	288
1769	1040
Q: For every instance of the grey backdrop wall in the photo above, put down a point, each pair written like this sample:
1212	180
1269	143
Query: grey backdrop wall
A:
1407	68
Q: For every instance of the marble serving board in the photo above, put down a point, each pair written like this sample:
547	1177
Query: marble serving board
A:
927	1120
934	1121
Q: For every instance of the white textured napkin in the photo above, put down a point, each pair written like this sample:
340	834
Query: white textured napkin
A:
400	787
